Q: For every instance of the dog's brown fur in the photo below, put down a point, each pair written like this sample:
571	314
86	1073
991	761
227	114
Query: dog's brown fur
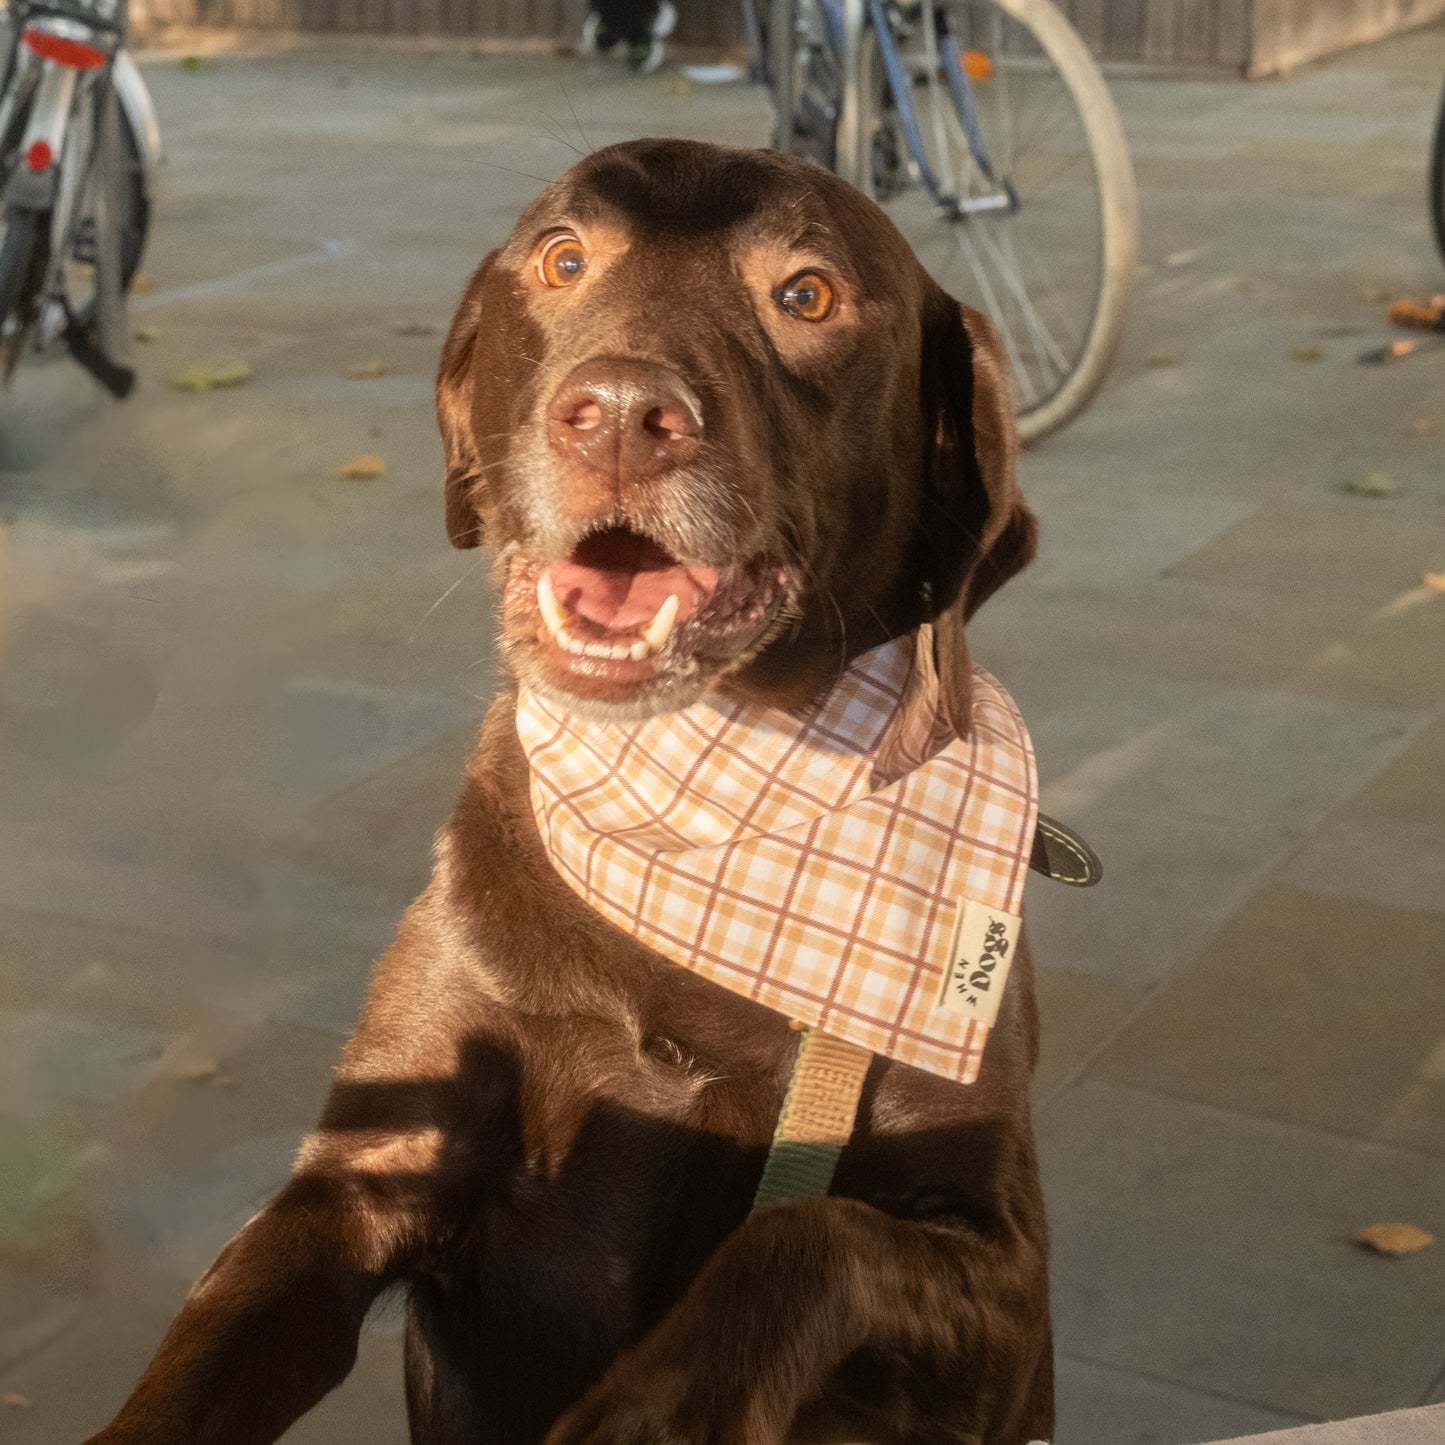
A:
545	1134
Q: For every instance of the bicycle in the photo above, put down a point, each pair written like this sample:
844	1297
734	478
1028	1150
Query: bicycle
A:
78	144
986	130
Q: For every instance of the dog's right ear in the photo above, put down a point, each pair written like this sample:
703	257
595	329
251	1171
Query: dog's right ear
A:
454	397
975	529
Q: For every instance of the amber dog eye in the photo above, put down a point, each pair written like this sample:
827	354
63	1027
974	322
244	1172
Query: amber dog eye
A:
808	296
562	260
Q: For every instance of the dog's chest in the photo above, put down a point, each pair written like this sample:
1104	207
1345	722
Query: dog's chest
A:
632	1166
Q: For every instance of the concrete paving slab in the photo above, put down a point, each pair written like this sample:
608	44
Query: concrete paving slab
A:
1197	633
1139	535
1323	1012
1323	548
1080	1013
1396	1427
1102	1406
1206	1249
1169	886
1231	784
182	1215
1389	843
1389	660
115	1332
52	1060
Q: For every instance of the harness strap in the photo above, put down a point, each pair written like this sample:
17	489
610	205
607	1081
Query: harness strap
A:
817	1118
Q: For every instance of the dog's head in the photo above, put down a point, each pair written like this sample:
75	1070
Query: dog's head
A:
722	429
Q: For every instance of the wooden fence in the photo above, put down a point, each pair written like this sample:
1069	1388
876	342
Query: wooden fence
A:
1256	37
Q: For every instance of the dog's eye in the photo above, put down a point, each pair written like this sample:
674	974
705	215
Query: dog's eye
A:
562	260
808	296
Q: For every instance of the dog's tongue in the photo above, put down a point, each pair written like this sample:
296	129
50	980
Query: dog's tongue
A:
618	580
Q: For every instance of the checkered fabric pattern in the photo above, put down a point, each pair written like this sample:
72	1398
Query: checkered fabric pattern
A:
812	862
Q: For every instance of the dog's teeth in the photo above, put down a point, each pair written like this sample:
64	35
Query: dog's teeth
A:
553	613
570	642
638	650
660	628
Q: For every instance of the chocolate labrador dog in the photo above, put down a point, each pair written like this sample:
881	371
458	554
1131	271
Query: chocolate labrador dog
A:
719	377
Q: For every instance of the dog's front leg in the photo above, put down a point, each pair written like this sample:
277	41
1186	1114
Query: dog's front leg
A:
790	1296
273	1324
268	1330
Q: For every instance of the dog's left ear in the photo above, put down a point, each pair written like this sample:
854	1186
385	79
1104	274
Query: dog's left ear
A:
975	531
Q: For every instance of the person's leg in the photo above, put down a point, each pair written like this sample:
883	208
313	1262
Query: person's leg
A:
629	20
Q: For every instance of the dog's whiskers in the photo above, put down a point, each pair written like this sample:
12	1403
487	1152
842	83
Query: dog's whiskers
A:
425	615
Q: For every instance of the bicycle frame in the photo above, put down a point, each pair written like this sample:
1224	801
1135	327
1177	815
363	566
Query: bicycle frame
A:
50	49
843	27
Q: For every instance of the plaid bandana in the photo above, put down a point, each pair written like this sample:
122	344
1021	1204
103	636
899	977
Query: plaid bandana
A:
826	864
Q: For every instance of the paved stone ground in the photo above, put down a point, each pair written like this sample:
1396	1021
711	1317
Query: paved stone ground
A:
238	692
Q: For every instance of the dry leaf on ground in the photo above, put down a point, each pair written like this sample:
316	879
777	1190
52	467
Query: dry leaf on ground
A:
1435	581
363	468
1423	424
366	370
198	1070
208	378
147	333
1374	484
1392	1239
16	1401
413	328
1166	358
1307	353
141	284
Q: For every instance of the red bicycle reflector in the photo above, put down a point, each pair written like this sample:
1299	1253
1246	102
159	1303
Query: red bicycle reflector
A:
74	53
39	157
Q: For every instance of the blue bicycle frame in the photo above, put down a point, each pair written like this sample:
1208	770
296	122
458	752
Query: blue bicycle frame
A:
900	89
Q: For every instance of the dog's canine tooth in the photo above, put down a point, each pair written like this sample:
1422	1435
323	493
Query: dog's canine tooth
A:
660	628
553	613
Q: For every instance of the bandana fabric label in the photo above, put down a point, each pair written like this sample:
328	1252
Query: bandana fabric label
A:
845	866
980	957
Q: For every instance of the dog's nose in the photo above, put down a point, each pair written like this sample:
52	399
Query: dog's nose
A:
631	419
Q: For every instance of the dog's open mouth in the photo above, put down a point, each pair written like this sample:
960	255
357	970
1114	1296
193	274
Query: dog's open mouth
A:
620	610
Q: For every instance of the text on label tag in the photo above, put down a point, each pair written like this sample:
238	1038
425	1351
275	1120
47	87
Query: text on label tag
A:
979	959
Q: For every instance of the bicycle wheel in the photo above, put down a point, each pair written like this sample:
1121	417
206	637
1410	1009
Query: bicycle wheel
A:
18	253
76	276
1437	180
1004	164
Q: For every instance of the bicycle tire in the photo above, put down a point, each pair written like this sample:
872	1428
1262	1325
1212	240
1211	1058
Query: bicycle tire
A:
17	253
135	222
1437	180
1117	206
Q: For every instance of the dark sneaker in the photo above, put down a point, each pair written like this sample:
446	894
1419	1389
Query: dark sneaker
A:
596	38
645	56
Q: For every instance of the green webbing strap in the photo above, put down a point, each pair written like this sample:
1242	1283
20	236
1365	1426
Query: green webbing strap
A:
817	1119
